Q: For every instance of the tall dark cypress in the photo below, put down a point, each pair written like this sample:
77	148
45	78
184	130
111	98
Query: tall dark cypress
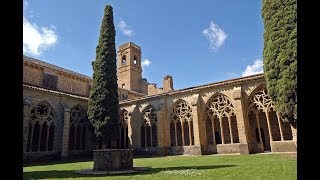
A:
103	106
280	55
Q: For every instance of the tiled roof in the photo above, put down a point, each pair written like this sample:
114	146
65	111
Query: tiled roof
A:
55	92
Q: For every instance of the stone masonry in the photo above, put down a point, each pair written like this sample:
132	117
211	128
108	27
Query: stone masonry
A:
232	116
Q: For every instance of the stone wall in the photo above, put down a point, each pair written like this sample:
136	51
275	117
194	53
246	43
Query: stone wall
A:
73	90
60	104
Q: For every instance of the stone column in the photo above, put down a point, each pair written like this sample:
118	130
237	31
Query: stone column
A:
26	122
65	135
213	132
258	123
230	129
190	137
242	121
182	133
129	132
40	133
280	126
221	130
269	125
175	133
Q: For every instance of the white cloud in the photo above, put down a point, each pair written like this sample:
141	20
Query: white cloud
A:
37	39
146	62
215	35
125	29
256	68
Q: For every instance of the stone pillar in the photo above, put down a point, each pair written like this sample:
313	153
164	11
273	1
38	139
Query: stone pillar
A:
196	119
230	129
26	122
213	132
65	135
182	132
190	137
134	127
280	126
221	130
129	132
175	133
160	129
258	124
242	121
269	125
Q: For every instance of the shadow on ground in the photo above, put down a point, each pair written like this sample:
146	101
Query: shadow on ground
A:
54	162
72	174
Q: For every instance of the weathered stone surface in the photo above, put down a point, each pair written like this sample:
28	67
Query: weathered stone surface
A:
112	159
283	146
245	99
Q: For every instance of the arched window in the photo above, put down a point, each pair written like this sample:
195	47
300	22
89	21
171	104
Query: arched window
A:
135	59
41	128
181	127
123	59
263	115
78	128
123	129
220	120
149	136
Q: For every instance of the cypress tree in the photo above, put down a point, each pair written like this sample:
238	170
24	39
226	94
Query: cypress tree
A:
103	105
280	55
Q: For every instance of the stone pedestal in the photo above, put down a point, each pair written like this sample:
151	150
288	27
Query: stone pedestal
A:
112	159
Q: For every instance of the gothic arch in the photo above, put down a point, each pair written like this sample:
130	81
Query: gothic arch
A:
78	128
41	127
123	128
263	115
181	125
220	120
148	127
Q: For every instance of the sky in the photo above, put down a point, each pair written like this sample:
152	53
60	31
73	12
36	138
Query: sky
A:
196	42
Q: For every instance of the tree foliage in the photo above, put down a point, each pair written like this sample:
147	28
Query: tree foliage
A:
280	55
103	106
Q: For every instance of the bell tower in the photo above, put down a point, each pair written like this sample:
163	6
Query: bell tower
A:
129	70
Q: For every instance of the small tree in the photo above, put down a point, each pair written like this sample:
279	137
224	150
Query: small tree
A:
103	106
280	55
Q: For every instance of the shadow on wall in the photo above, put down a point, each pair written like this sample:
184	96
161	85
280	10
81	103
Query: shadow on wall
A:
72	174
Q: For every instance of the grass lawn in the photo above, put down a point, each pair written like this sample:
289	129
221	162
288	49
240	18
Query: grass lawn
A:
254	166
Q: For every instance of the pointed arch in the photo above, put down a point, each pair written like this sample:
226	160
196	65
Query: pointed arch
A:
41	127
263	115
181	124
78	128
220	120
148	128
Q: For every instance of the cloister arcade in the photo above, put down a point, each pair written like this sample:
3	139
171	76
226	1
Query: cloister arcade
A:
232	118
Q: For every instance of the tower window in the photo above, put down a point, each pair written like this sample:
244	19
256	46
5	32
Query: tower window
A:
135	59
122	85
123	59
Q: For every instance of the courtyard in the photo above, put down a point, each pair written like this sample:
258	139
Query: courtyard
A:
254	166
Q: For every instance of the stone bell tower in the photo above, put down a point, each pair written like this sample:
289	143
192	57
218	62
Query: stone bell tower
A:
129	69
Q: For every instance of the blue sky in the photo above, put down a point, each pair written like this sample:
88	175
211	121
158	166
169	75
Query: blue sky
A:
196	42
